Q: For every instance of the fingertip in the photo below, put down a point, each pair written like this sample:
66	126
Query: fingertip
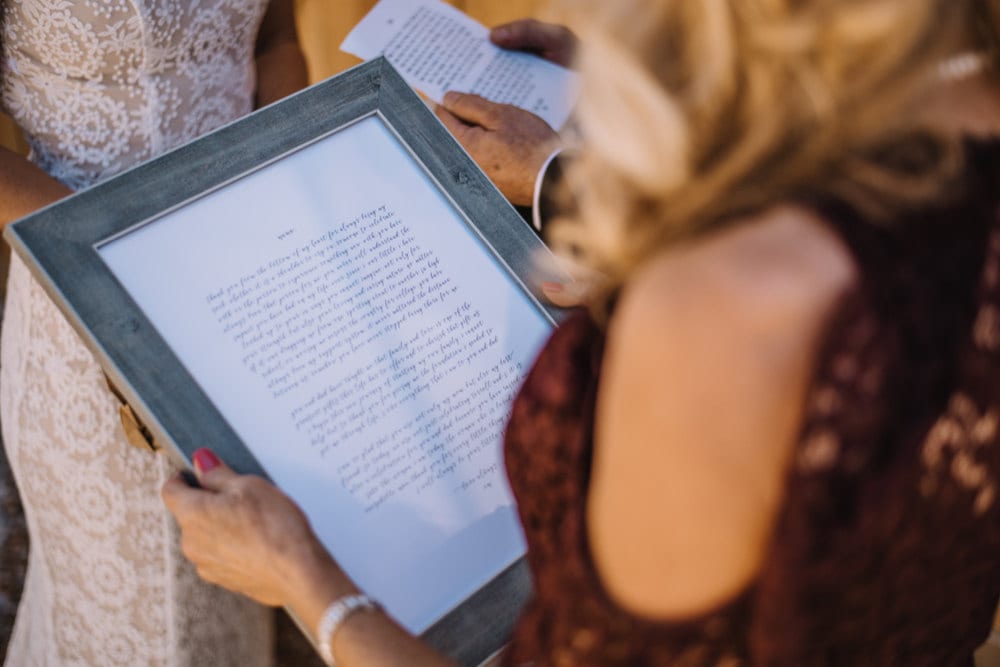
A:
501	34
551	292
205	460
440	109
208	469
552	287
449	120
211	472
470	109
562	295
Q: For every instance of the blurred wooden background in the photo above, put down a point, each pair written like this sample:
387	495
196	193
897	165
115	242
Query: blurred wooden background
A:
323	24
9	136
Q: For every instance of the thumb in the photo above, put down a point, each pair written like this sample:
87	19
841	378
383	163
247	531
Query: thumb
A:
549	40
523	34
473	109
212	473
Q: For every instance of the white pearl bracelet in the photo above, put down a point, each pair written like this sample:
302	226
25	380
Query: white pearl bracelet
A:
334	617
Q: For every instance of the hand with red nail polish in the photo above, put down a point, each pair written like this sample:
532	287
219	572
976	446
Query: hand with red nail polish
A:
244	534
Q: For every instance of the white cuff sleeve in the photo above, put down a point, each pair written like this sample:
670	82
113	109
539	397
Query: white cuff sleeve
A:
536	218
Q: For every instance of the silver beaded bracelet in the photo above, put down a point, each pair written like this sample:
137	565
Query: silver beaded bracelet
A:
334	617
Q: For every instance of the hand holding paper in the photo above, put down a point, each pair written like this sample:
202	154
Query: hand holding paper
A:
509	144
437	48
256	548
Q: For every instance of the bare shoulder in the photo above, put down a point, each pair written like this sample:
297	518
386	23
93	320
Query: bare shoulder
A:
708	360
779	263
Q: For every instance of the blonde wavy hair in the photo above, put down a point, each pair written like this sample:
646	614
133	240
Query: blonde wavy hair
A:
696	113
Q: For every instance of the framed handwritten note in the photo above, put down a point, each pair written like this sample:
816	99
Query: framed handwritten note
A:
332	295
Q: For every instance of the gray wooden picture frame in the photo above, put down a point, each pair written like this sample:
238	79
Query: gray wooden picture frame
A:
59	244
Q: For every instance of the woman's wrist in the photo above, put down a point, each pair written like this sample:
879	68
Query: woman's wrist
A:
315	581
336	615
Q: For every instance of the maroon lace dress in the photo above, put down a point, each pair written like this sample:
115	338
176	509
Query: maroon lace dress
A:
887	547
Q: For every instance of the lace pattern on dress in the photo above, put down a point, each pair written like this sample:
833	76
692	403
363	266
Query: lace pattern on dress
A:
98	86
960	448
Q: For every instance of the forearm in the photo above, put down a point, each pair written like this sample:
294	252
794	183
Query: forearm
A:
281	67
365	638
373	640
25	188
281	71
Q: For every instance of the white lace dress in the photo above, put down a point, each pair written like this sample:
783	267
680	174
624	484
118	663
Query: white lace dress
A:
98	86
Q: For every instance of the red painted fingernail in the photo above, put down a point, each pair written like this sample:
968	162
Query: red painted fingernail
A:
205	459
550	286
